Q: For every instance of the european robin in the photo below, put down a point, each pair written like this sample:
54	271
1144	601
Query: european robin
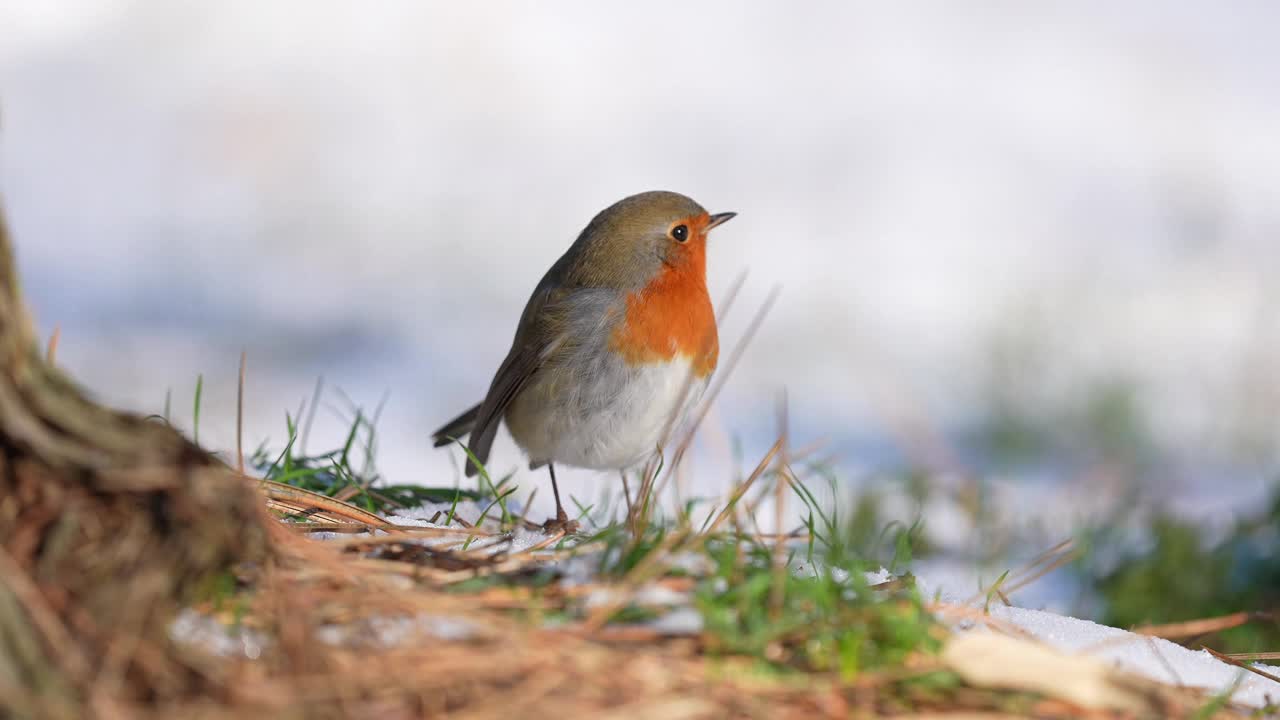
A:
615	346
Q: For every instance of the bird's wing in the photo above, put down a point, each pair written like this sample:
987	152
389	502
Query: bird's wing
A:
539	335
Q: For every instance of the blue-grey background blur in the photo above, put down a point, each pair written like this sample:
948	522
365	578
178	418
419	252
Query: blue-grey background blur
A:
1031	246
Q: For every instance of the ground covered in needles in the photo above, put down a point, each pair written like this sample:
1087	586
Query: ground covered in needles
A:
403	601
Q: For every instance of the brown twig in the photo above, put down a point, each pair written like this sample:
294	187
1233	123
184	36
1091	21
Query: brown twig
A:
51	353
1232	661
240	414
777	593
1051	559
721	380
1192	628
744	487
297	500
648	478
1254	656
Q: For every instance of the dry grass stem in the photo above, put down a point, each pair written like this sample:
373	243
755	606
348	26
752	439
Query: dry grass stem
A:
1194	628
51	352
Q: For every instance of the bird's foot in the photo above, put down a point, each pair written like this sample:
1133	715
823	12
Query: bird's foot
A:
560	524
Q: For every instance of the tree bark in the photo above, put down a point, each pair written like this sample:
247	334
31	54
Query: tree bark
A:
108	523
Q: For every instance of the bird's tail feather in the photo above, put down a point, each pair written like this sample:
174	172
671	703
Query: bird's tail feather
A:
456	428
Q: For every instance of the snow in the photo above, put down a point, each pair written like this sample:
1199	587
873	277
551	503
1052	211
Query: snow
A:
210	633
468	510
650	595
518	540
1155	658
392	631
681	621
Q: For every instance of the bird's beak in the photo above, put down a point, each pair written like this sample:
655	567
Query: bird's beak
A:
719	219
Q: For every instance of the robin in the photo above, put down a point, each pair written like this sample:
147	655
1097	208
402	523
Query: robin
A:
615	345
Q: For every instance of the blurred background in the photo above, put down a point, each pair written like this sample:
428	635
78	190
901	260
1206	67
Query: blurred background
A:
1027	252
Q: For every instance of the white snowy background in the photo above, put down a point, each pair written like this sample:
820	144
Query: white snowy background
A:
369	191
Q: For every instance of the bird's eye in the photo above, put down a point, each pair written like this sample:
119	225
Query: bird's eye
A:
680	233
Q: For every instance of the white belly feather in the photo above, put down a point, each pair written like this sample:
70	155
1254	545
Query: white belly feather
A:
614	420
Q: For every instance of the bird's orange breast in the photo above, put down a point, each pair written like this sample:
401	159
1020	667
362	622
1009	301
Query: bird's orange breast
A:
670	317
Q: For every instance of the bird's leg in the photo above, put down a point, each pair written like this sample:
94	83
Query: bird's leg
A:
562	521
561	517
